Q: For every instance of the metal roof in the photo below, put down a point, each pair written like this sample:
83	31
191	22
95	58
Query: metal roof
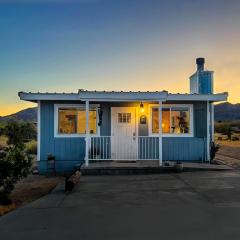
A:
112	96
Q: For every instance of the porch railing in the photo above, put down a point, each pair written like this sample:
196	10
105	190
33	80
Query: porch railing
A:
123	148
146	148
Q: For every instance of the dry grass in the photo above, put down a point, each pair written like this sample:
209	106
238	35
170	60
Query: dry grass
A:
229	143
30	189
229	153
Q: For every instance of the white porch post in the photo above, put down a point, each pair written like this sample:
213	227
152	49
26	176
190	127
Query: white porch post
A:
212	122
160	132
208	131
87	133
38	131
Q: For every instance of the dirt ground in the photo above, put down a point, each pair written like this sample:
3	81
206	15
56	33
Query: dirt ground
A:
29	189
229	153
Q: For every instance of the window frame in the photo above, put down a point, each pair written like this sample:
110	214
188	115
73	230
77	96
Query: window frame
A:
166	106
79	106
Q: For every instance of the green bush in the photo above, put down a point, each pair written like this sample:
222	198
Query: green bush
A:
15	164
32	147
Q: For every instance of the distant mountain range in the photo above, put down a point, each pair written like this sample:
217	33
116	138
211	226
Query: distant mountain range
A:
223	112
227	111
28	114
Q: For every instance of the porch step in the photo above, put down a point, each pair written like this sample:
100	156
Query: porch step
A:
124	170
144	167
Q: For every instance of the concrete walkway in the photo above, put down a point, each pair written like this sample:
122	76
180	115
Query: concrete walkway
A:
190	205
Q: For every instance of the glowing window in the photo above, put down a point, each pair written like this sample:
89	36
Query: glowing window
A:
73	121
180	120
165	120
175	120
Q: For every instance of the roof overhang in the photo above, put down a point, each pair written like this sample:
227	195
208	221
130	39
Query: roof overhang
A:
219	97
35	97
97	96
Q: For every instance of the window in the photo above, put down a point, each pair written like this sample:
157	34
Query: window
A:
165	120
124	117
72	120
180	120
67	121
175	120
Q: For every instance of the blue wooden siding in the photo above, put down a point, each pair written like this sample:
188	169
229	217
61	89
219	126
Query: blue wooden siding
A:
184	149
69	151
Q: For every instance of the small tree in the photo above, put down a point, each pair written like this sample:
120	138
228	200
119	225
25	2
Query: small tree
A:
29	131
15	164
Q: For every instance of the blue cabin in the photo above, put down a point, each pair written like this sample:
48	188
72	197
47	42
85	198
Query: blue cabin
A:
89	126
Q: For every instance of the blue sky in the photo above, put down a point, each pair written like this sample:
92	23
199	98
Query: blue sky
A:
115	45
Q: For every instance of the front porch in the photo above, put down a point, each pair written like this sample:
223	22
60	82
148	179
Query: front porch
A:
127	124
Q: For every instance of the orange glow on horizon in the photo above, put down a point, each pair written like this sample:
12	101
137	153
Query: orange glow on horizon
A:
9	109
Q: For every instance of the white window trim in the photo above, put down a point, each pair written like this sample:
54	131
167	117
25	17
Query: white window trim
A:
72	135
190	106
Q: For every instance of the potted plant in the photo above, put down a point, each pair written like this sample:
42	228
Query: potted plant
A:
50	157
94	153
178	166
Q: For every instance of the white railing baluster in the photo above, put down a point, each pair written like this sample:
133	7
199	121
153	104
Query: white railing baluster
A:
100	148
144	146
103	147
148	147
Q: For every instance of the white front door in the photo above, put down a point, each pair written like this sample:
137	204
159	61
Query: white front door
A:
124	133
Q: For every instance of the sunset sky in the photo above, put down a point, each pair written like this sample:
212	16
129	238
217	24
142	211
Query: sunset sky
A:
52	45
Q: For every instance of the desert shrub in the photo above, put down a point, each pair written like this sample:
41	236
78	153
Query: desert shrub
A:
26	130
31	147
15	164
224	128
1	130
3	143
29	131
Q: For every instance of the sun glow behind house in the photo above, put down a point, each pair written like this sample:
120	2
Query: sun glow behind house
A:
115	45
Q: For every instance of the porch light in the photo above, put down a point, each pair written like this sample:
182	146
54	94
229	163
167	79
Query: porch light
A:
141	108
